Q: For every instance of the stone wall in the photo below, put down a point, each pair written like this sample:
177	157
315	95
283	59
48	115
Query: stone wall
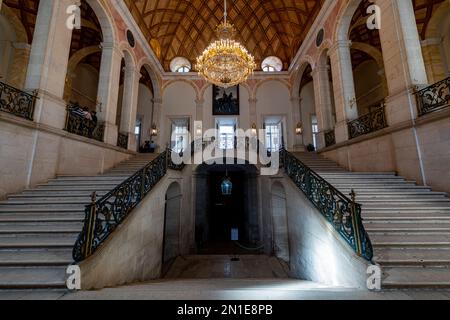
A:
133	253
31	154
317	251
400	151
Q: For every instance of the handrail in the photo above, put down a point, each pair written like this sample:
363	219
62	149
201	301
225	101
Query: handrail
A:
343	213
81	126
368	123
17	102
434	97
103	216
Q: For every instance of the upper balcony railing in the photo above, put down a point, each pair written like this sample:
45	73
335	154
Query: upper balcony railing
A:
330	138
122	140
433	98
17	102
342	213
371	122
77	122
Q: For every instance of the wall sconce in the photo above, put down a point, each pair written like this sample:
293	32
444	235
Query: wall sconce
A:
254	129
299	129
154	130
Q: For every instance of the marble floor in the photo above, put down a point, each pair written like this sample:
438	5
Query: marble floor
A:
220	278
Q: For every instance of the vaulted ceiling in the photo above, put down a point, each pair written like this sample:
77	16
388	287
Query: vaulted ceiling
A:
185	28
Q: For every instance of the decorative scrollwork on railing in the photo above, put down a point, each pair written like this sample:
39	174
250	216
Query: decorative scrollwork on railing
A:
343	213
371	122
104	215
434	97
17	102
77	124
122	140
330	138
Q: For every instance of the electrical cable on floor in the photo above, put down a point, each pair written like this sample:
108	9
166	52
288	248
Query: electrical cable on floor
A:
248	248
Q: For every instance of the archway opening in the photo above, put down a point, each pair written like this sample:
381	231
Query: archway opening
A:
145	111
367	62
84	62
227	224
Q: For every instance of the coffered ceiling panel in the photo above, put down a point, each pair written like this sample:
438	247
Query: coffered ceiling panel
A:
186	27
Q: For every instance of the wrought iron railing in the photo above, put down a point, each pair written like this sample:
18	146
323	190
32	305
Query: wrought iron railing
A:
371	122
82	126
434	97
343	213
17	102
330	138
122	140
103	216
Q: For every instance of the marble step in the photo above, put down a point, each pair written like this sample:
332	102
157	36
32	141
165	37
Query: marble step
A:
32	277
99	178
107	183
443	225
42	217
405	216
36	257
405	240
402	196
40	227
43	209
412	256
51	195
37	240
51	201
416	277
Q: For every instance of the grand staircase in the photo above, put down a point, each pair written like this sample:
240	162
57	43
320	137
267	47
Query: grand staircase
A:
38	227
409	225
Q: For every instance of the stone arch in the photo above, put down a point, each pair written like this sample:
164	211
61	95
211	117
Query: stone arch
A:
15	23
171	238
279	216
371	51
15	48
307	60
106	21
282	81
157	90
345	17
434	26
190	83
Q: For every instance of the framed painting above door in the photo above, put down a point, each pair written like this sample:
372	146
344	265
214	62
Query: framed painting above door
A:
226	101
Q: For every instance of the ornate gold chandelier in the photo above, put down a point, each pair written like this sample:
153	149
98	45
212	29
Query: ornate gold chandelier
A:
225	62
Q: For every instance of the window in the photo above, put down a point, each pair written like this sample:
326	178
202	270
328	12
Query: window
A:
273	137
226	137
180	135
137	130
272	64
315	130
180	65
183	69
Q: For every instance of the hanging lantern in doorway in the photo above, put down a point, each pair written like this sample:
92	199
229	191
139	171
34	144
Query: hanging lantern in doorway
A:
227	186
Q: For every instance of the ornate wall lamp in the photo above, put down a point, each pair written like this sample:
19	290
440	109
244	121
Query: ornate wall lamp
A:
299	129
254	129
154	130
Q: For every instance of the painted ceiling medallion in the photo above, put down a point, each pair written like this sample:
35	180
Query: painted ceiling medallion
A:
225	62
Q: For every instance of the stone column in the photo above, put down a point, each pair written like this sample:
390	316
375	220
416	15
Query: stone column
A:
322	98
253	114
48	61
344	88
403	59
129	105
157	120
108	90
199	109
297	118
1	1
434	60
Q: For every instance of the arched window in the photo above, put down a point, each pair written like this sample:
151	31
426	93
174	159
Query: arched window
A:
181	65
272	64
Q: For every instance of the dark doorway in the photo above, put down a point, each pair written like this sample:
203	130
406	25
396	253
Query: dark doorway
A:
218	214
